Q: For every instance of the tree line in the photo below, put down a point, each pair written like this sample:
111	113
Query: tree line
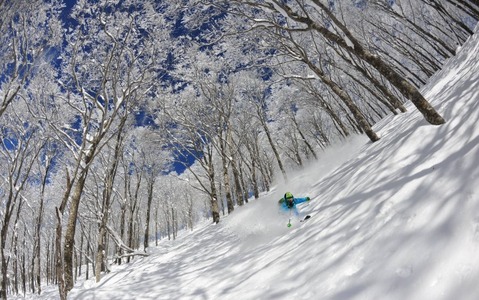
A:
100	102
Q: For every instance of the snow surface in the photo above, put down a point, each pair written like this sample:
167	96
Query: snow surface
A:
397	219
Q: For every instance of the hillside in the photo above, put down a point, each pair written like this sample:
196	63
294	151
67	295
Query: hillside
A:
397	219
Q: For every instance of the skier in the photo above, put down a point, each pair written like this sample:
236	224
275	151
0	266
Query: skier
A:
288	204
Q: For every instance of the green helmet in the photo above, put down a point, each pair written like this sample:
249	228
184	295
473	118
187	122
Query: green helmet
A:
289	200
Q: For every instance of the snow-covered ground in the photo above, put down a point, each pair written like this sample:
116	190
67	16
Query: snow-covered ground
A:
395	220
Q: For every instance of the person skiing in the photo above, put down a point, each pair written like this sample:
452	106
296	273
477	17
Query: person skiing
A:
288	204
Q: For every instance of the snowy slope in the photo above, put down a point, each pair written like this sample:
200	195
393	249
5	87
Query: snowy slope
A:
397	219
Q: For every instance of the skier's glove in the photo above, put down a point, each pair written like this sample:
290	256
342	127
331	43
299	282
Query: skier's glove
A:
307	198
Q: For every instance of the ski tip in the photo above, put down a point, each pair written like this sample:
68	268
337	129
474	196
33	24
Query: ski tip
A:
305	218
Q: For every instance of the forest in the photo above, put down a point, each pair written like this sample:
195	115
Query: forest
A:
124	122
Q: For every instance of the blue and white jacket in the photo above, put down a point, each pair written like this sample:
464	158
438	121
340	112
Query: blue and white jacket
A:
284	205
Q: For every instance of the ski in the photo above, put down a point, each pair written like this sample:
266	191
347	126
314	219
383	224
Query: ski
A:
302	220
305	218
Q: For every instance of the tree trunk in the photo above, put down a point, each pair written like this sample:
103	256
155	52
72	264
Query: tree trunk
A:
168	226
156	226
273	148
69	242
226	182
119	251
3	291
133	208
24	267
173	223
151	183
303	137
190	211
100	254
238	190
213	195
59	256
254	179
